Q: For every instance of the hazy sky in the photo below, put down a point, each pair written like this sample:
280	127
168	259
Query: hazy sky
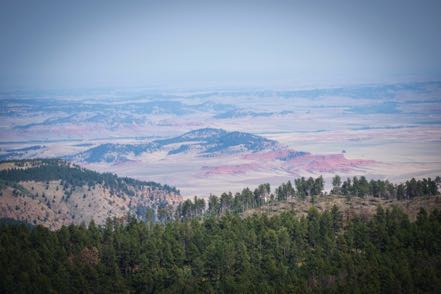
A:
75	44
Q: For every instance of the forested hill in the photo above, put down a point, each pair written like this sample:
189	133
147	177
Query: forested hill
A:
55	169
294	239
53	193
282	254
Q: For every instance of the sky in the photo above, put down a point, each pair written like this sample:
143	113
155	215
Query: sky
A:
90	44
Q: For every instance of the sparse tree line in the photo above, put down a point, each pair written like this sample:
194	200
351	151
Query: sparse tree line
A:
302	188
71	176
361	187
248	199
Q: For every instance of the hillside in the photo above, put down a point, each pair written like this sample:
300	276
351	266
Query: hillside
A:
350	207
53	193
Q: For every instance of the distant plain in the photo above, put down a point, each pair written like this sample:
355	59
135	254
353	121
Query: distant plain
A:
396	127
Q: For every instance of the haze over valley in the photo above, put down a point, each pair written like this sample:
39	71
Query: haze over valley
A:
211	141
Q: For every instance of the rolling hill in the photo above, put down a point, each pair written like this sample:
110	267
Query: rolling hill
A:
205	142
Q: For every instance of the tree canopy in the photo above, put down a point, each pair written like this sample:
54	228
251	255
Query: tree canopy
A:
258	254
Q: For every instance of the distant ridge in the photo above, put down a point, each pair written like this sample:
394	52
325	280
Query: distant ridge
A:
206	142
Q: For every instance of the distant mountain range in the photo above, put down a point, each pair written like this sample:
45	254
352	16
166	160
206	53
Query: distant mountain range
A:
205	142
22	153
236	113
356	91
110	114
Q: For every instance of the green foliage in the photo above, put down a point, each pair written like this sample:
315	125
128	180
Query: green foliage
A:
360	187
200	247
282	254
336	184
284	191
309	187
